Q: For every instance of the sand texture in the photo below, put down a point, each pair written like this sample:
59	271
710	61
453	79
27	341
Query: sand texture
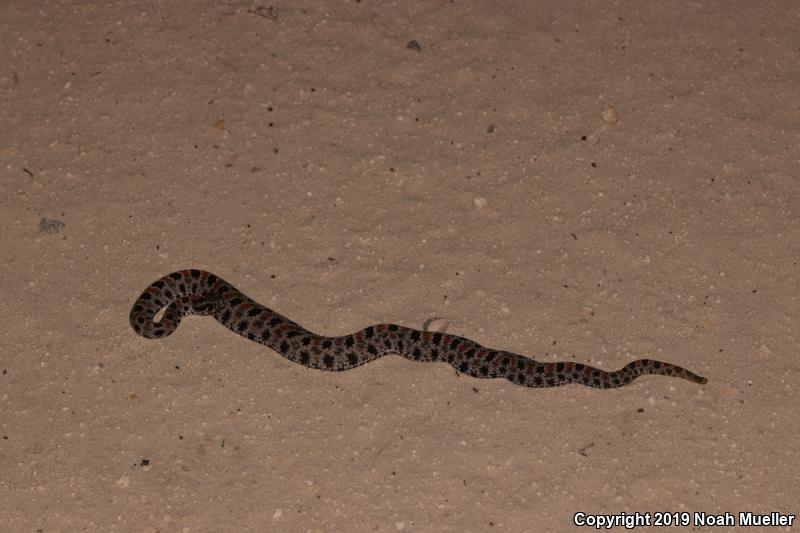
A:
575	181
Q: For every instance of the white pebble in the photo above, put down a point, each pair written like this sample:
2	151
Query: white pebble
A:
479	202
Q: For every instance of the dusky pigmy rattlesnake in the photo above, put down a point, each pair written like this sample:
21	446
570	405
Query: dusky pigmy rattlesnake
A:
198	292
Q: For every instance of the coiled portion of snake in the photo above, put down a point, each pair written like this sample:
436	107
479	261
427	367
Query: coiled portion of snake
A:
197	292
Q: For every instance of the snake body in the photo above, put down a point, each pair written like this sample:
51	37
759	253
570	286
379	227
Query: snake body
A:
197	292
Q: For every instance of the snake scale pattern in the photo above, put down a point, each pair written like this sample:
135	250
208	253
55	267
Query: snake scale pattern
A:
196	292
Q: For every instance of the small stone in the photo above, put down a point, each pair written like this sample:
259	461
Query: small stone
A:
414	45
270	12
277	514
480	202
50	225
610	115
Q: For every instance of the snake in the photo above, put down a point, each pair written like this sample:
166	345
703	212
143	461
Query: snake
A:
198	292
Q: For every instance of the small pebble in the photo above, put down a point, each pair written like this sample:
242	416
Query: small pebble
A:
270	12
610	115
50	226
479	202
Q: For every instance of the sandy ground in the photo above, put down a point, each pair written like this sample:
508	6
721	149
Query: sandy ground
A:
314	158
